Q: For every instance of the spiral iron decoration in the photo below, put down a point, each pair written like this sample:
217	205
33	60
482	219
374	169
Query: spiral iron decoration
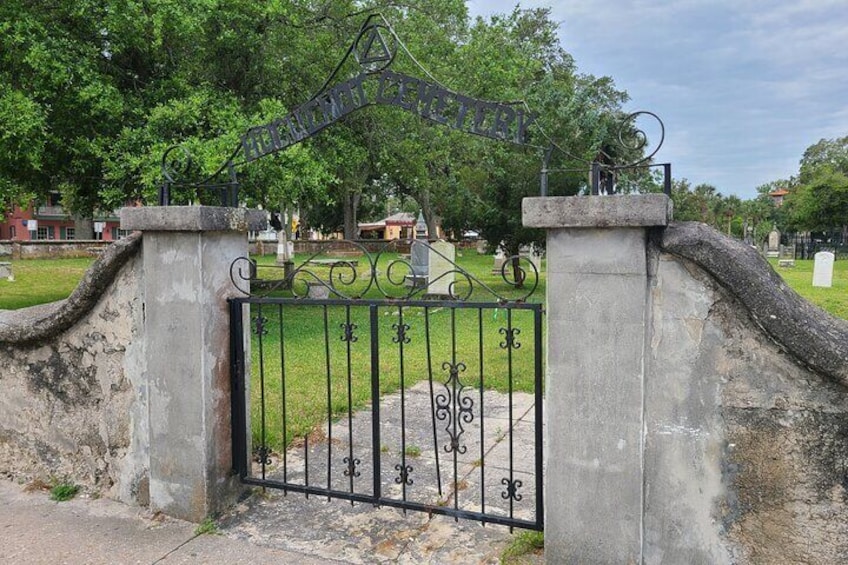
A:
350	467
176	163
259	325
401	336
350	279
640	141
403	474
263	455
509	338
511	489
348	335
454	407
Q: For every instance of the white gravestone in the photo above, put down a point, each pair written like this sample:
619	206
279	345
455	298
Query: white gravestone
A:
823	269
441	264
536	258
773	243
500	259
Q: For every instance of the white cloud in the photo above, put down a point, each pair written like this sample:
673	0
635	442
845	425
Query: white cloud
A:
743	87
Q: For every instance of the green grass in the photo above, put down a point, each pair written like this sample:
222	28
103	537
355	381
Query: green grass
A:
523	544
207	526
38	281
315	360
60	492
800	279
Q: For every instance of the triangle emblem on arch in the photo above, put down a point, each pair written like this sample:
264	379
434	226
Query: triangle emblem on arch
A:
375	49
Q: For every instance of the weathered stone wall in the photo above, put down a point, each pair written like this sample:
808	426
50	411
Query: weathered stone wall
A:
72	393
52	249
696	406
746	446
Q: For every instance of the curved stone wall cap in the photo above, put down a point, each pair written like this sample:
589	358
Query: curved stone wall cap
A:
192	218
39	323
813	336
620	210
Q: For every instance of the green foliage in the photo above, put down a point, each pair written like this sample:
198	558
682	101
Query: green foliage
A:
822	202
207	526
60	492
523	544
93	93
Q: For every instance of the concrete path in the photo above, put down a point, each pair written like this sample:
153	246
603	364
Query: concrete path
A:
36	530
271	527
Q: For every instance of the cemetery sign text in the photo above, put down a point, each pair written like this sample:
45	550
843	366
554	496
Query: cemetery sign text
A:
496	120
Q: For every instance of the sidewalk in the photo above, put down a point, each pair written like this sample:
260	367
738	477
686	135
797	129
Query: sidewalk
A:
36	530
272	527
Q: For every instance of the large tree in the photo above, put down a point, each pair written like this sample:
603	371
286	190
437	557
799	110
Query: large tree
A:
820	200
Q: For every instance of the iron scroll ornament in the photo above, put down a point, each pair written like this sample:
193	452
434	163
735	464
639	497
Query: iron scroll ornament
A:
374	50
390	278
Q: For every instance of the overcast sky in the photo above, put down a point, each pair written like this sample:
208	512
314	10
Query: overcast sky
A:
743	86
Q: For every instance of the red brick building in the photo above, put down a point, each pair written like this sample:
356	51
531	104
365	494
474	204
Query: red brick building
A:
50	221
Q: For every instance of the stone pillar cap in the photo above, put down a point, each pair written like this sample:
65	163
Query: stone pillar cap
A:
619	210
192	218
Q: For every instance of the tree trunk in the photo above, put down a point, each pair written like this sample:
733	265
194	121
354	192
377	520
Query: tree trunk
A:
83	228
351	206
518	274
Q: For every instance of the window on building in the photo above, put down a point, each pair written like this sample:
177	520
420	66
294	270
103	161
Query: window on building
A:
70	233
118	233
12	233
45	232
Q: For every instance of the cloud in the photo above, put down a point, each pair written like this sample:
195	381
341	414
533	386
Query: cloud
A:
743	87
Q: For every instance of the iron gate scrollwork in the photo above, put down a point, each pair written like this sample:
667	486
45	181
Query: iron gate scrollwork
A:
386	392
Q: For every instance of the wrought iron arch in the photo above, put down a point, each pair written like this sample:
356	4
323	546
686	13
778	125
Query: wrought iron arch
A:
374	50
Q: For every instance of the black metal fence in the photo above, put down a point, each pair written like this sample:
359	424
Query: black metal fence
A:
422	404
808	244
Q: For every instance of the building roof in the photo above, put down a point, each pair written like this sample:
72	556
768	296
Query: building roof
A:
401	218
779	192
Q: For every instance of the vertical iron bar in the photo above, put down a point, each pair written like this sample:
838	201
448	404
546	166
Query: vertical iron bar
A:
283	390
238	396
454	408
375	401
511	423
329	401
667	178
263	453
596	178
351	465
482	421
432	397
403	469
537	328
546	160
306	461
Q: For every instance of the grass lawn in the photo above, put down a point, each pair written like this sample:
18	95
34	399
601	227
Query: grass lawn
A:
800	279
302	364
38	281
308	348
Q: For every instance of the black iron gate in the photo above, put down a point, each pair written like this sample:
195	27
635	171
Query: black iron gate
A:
418	401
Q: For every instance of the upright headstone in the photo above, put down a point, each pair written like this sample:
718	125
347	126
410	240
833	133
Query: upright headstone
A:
420	253
773	249
500	259
823	269
786	258
536	257
441	266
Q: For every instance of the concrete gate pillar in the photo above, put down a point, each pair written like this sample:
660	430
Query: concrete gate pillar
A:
187	252
597	310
